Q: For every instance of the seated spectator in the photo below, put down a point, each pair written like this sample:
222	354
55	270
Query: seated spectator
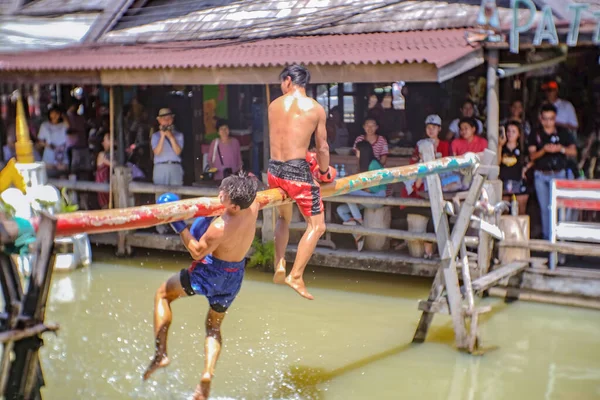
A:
378	142
53	138
224	153
467	110
350	213
512	165
517	114
103	170
468	141
450	181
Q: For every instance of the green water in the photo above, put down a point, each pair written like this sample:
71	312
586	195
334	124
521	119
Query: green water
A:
352	342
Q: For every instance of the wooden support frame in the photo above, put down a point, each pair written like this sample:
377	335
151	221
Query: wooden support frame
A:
21	374
446	279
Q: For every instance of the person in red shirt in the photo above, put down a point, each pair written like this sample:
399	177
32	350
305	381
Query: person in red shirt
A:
433	127
469	141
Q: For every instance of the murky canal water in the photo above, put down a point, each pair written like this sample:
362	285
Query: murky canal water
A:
352	342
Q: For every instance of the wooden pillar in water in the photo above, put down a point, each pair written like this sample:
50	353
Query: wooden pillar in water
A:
122	177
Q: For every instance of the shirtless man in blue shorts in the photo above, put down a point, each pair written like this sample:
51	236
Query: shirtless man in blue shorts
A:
219	247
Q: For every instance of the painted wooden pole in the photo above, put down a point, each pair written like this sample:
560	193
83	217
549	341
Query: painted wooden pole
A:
147	216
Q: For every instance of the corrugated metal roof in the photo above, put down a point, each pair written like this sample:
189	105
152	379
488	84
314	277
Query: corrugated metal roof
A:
259	18
433	47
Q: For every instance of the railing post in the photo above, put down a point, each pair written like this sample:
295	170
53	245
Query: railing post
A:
123	199
486	242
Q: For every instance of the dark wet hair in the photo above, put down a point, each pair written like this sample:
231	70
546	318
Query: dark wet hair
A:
468	120
240	188
222	122
366	155
297	73
547	107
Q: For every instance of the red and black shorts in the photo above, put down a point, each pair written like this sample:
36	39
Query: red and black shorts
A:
295	178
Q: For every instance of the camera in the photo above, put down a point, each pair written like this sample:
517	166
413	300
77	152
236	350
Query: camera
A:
166	128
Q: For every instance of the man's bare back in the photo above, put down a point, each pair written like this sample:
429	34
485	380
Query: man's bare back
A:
293	118
238	233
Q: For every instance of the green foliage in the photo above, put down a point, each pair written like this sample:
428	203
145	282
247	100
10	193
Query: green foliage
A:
264	254
210	137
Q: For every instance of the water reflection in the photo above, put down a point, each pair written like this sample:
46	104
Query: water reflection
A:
353	342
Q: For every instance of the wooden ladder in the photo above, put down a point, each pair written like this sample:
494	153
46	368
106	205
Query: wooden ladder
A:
445	296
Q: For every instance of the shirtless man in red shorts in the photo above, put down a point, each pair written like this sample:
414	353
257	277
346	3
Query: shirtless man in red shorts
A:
293	118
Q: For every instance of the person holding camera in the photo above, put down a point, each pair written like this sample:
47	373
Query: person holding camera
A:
224	153
167	144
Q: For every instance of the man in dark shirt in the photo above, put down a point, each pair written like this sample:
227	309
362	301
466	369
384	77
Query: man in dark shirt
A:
549	149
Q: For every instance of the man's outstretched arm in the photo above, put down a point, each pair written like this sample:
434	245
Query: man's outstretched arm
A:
199	249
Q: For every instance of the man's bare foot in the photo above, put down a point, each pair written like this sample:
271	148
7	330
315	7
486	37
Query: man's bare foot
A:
299	286
203	389
158	362
279	277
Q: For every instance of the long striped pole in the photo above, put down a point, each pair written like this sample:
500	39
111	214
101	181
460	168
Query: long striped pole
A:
151	215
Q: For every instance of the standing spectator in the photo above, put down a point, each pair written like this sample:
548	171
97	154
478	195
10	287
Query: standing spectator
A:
337	131
350	212
224	153
468	141
565	112
379	143
549	149
77	134
467	110
103	170
517	113
53	138
167	144
512	165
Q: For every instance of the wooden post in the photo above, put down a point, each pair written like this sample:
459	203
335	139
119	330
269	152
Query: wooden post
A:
266	139
493	105
446	276
486	242
21	375
123	199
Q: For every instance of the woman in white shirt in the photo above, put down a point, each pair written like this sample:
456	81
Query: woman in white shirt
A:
53	137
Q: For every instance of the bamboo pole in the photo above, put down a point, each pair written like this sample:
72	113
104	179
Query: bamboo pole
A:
148	216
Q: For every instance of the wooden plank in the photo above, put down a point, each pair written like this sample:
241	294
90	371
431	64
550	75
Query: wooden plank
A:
578	231
548	298
486	242
369	261
587	184
441	307
489	280
579	249
391	233
592	205
447	276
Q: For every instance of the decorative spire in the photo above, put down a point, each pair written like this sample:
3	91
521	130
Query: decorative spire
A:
23	145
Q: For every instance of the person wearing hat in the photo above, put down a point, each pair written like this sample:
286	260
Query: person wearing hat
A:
167	145
450	182
565	112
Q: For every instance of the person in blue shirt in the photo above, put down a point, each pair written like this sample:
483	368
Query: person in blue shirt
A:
350	212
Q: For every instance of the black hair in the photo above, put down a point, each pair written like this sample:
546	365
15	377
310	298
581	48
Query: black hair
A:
517	124
240	188
297	73
547	107
222	122
56	108
368	118
366	155
468	120
465	101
